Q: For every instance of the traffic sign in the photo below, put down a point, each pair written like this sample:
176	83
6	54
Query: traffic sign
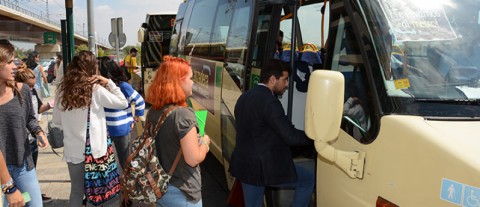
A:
117	33
122	39
49	37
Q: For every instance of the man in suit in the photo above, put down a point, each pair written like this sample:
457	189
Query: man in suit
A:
262	154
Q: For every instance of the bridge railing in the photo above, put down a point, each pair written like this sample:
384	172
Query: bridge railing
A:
18	8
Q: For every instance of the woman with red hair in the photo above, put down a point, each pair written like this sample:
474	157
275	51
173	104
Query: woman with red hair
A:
172	86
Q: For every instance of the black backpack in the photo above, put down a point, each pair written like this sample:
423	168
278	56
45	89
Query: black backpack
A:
50	71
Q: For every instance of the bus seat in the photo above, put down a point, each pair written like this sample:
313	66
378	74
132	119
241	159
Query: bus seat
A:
310	53
462	74
285	57
441	61
311	57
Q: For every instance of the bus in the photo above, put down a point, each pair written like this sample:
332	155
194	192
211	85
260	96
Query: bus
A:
154	36
409	70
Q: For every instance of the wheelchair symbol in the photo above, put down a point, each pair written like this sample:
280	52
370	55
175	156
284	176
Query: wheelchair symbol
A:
472	200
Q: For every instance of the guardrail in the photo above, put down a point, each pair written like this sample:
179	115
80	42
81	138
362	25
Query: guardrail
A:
18	8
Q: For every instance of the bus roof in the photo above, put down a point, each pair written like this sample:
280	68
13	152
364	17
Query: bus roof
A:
162	13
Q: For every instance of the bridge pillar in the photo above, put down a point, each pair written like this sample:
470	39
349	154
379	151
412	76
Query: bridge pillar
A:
47	51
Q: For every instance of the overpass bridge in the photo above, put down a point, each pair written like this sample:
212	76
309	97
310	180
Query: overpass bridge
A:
19	24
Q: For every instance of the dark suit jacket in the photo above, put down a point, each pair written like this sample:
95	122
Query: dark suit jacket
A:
264	135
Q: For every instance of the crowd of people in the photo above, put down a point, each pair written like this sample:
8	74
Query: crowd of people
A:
96	107
93	105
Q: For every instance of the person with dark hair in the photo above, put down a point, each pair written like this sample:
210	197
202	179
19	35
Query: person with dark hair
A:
279	45
130	62
58	72
81	99
262	155
32	63
121	121
16	120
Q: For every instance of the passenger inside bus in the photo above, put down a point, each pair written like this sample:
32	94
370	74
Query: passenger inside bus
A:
356	114
278	45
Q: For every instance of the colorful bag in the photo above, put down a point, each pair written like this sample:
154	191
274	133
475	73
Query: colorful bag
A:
102	179
144	180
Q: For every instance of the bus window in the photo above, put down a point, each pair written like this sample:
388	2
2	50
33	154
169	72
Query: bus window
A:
220	30
309	18
199	29
260	46
236	47
204	39
347	59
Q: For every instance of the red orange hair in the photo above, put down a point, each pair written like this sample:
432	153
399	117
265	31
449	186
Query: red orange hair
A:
165	88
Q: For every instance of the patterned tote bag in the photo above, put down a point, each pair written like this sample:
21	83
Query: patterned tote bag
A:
102	179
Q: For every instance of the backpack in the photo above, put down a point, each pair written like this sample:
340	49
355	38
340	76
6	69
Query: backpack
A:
144	180
50	71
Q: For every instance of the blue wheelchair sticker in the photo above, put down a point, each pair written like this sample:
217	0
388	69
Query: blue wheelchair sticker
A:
471	196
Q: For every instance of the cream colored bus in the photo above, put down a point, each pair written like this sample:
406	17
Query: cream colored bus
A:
391	98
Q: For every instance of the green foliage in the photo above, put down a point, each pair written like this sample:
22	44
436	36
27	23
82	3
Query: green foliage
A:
81	47
100	52
21	53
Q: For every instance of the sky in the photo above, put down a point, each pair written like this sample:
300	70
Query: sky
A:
133	13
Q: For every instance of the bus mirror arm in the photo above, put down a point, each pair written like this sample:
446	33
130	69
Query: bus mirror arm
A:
350	162
323	116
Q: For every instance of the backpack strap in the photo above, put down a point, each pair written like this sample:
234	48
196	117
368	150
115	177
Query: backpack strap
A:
162	119
146	141
177	159
159	124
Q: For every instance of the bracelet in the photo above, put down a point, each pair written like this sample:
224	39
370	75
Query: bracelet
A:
10	190
7	185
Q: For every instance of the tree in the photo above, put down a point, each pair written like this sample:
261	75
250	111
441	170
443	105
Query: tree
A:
100	52
81	47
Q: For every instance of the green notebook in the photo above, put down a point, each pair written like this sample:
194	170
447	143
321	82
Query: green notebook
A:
201	119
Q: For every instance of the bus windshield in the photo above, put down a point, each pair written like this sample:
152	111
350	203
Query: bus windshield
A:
432	48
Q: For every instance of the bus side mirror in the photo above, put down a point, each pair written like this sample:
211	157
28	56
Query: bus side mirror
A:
141	34
323	116
323	112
